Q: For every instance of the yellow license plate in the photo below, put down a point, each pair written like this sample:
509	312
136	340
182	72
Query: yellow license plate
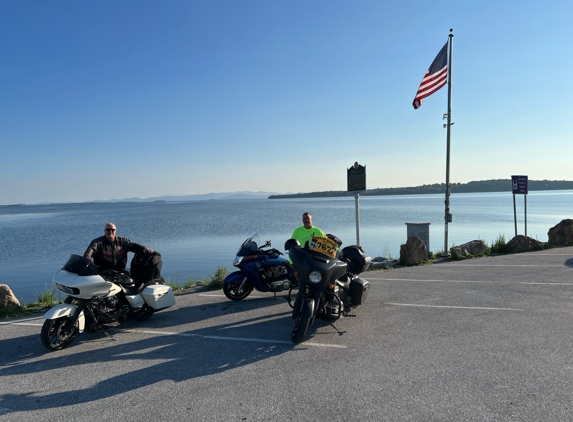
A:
324	245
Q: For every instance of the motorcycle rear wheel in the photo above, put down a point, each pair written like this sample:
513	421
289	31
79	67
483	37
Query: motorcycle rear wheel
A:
300	324
58	333
234	291
145	315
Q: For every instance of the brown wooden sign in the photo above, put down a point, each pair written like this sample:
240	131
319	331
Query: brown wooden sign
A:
356	178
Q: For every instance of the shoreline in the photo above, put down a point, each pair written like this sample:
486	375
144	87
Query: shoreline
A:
381	264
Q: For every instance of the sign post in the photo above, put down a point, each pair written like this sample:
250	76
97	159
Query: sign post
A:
519	186
356	182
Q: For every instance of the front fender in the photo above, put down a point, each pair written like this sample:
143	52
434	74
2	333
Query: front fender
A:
63	310
235	277
308	307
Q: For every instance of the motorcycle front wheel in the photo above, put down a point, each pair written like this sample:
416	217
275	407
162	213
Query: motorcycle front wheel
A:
238	290
58	333
300	324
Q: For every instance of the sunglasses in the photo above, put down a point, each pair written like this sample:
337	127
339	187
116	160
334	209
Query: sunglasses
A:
109	230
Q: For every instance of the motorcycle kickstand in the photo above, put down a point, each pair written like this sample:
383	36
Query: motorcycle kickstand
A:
111	336
337	330
288	298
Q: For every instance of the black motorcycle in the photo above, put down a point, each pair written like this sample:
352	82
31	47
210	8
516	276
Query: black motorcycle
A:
329	286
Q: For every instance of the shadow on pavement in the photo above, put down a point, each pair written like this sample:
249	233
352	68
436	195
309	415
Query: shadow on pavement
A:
192	354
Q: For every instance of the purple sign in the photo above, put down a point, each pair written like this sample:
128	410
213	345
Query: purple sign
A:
519	184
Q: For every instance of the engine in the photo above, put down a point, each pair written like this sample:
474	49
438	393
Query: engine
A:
105	310
273	273
108	305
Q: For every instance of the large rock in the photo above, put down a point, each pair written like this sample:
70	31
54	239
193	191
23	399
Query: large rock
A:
522	243
561	234
413	252
475	247
7	299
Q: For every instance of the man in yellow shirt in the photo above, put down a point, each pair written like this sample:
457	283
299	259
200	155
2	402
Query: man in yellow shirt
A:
305	232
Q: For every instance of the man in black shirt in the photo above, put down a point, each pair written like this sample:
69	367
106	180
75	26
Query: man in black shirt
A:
109	252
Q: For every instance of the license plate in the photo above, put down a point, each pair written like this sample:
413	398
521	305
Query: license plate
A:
324	245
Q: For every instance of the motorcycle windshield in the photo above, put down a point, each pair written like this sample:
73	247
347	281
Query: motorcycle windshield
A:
250	246
79	265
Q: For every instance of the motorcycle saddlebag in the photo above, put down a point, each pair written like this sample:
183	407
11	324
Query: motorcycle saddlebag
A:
359	291
146	267
359	261
158	296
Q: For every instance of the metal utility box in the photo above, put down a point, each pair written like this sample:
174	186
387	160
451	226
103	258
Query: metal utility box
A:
421	230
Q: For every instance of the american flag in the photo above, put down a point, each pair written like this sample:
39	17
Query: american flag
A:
435	78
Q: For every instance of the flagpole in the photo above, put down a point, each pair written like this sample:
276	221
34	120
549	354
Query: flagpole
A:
448	216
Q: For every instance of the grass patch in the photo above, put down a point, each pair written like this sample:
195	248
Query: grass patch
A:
424	262
386	253
214	282
499	245
45	300
48	296
23	310
177	286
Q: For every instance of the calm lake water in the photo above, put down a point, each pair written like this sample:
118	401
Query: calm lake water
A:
195	238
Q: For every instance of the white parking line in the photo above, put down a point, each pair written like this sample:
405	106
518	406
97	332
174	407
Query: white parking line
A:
549	283
552	254
507	265
454	307
250	296
246	339
24	321
210	337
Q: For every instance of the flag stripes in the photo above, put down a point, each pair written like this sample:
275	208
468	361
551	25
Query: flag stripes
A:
435	78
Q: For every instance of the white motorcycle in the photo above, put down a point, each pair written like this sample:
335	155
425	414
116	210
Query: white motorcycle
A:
97	300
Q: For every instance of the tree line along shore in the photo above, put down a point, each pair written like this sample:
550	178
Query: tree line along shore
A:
494	185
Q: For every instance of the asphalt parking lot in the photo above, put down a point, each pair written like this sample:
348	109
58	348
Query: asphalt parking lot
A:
485	339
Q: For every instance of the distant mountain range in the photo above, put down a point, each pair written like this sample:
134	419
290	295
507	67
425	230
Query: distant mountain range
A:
494	185
198	197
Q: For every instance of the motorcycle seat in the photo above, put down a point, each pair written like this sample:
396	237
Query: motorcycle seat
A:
133	290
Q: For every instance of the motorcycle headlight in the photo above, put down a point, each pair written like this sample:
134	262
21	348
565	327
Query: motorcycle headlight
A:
237	261
315	277
68	290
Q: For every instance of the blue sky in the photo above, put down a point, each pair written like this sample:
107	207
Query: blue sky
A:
116	99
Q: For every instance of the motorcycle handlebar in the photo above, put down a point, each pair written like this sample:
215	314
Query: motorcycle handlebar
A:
267	243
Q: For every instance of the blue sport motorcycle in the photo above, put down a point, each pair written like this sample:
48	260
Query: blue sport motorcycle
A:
261	268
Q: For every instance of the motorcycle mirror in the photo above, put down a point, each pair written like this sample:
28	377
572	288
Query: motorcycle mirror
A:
291	243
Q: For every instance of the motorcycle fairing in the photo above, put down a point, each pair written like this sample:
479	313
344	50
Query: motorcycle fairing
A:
66	309
89	286
307	261
252	271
